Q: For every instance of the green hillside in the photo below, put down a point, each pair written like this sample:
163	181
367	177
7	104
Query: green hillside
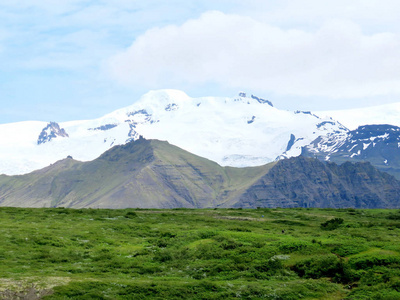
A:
145	173
155	174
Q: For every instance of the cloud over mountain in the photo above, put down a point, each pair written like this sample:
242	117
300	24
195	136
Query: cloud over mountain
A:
335	60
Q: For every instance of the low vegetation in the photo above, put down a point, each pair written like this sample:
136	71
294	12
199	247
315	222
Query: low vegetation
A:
58	253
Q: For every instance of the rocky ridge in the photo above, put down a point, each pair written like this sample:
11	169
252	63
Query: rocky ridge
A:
378	144
51	131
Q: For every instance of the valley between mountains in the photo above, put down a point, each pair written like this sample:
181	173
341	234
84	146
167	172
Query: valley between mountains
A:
155	174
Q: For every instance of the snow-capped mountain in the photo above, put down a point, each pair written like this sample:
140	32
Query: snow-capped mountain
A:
241	131
378	144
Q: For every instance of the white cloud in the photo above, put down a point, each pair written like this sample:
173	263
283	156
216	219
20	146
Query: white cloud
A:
299	47
336	60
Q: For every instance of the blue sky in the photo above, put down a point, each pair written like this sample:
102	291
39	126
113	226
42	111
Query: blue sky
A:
71	59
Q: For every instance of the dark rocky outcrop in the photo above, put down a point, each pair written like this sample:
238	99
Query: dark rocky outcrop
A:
104	127
378	144
307	182
51	131
262	101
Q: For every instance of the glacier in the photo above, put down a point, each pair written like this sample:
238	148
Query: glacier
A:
236	131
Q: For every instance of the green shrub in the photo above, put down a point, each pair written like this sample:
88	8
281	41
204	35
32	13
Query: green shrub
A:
80	290
270	266
368	261
230	244
289	222
371	278
167	235
131	215
394	283
380	293
325	266
206	234
163	255
332	224
145	269
349	249
208	251
240	229
161	243
296	246
394	216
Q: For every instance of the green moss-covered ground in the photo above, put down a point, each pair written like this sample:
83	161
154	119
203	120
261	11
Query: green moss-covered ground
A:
200	254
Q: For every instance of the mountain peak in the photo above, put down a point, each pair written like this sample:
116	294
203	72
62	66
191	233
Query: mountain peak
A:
140	148
238	131
51	131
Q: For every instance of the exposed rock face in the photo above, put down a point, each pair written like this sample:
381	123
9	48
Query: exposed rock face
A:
291	142
51	131
262	101
104	127
306	113
136	118
306	182
378	144
172	107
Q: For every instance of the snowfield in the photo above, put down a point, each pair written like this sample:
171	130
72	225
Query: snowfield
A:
240	131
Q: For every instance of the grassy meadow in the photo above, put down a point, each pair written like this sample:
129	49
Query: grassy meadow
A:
58	253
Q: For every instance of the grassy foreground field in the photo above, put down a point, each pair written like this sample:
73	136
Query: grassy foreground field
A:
299	253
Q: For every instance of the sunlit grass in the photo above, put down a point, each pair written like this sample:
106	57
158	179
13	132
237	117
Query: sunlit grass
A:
201	254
